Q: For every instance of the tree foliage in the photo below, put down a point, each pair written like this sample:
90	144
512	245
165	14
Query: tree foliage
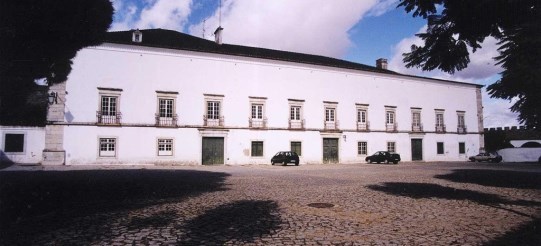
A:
463	24
39	38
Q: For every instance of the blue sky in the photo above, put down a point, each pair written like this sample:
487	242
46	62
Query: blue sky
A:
355	30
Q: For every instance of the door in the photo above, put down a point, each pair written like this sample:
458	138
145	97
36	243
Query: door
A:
416	149
330	150
213	151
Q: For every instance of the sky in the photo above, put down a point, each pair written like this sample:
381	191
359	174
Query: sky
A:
355	30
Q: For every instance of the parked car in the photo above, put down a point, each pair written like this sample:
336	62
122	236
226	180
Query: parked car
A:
383	156
285	157
491	157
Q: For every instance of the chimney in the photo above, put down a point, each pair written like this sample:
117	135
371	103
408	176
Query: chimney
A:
218	35
381	63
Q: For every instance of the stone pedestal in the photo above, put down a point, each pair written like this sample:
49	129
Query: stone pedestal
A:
54	153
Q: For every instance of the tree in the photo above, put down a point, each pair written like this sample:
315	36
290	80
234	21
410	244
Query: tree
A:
460	24
38	39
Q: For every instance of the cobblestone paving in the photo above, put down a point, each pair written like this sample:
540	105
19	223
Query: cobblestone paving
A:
406	204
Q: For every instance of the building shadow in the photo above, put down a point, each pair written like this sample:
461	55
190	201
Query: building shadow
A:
32	203
239	222
426	190
528	234
5	162
495	178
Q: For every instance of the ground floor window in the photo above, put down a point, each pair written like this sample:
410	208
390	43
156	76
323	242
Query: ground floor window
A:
257	148
462	148
107	147
296	147
14	143
362	148
440	148
391	146
165	147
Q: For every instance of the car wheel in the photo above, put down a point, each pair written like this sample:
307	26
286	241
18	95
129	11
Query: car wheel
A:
272	163
285	163
378	162
296	163
395	162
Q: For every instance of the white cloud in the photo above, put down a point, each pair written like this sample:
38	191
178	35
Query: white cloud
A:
382	7
315	27
496	112
167	14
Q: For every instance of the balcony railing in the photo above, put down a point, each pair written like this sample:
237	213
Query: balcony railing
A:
258	123
108	118
416	127
296	124
166	121
363	126
331	125
440	129
461	130
213	122
391	127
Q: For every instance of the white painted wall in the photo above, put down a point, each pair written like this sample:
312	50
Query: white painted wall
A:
143	71
34	143
520	154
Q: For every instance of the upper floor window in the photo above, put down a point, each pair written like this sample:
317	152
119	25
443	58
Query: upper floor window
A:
330	115
257	112
296	120
213	115
108	112
440	124
362	117
166	115
461	124
390	119
416	125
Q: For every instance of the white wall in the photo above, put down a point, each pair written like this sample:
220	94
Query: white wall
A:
34	143
142	72
520	154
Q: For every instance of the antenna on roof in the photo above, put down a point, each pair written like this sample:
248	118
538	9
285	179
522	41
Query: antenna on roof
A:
204	23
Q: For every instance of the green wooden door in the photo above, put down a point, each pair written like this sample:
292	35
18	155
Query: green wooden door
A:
213	151
330	150
416	149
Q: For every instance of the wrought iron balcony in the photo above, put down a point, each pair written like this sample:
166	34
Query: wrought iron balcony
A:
166	121
296	124
331	125
462	129
440	129
417	127
257	123
391	127
219	122
363	126
108	118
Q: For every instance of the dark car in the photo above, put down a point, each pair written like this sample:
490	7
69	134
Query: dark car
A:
383	156
285	157
490	157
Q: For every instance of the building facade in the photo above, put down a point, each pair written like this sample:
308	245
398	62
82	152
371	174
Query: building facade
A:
162	97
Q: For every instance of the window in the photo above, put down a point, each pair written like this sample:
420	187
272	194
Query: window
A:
390	118
296	147
362	148
330	114
166	107
361	116
416	118
462	148
439	119
108	105
14	143
440	124
107	147
165	147
391	146
213	110
440	149
295	113
257	148
461	121
257	111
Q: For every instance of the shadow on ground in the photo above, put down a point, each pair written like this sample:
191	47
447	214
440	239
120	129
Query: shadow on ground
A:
528	234
239	222
426	190
495	178
34	202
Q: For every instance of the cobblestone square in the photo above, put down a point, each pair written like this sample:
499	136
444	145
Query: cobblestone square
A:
357	204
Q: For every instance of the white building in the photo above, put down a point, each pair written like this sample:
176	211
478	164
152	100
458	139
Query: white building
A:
163	97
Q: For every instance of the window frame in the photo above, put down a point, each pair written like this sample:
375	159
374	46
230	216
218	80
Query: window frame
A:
5	145
255	151
461	148
165	142
393	144
440	147
330	114
299	153
390	117
440	119
361	148
114	144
